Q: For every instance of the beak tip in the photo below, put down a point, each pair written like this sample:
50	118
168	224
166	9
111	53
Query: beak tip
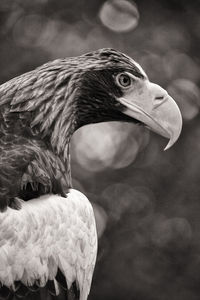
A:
172	141
167	147
177	128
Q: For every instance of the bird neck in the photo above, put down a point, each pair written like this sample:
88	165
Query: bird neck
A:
59	140
61	137
56	121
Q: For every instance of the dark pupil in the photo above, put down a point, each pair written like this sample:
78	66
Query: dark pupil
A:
124	80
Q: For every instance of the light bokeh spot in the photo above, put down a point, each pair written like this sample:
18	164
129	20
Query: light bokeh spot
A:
186	93
107	145
119	15
176	231
100	218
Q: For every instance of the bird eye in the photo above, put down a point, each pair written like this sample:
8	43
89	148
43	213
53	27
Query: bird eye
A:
123	80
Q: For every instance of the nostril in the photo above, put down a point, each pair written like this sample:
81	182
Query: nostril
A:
160	101
159	97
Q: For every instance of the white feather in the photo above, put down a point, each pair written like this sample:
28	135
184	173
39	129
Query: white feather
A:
47	233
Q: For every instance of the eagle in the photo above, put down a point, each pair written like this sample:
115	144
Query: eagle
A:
39	112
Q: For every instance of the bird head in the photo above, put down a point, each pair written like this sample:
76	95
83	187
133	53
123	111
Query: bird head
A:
104	85
113	87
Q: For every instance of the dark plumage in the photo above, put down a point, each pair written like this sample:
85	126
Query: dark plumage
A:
40	110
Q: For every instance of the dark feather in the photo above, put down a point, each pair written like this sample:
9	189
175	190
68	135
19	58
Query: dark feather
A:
22	291
34	288
76	291
35	292
51	288
61	280
5	293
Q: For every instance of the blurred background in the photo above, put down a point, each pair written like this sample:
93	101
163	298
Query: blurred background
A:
146	201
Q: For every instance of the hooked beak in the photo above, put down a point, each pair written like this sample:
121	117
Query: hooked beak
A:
152	106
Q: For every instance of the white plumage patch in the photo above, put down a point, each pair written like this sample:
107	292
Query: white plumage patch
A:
47	233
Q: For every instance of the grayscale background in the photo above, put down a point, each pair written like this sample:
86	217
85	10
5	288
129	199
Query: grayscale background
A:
146	201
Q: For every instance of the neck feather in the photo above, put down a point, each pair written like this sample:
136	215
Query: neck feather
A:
55	116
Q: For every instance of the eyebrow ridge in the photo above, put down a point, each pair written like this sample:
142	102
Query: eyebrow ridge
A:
136	74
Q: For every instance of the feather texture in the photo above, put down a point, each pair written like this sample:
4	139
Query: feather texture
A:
48	234
41	109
